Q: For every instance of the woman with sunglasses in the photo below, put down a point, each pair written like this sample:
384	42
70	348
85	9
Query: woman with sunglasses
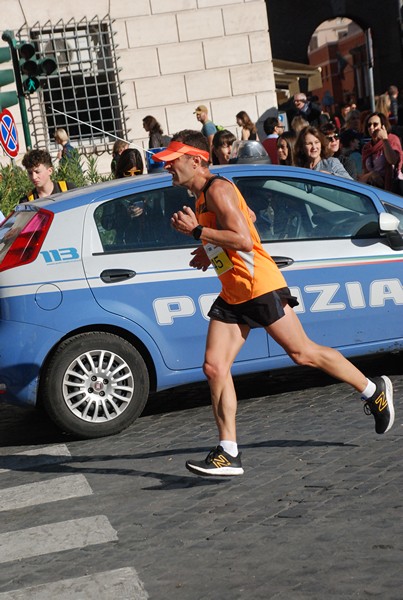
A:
311	152
331	133
382	156
129	163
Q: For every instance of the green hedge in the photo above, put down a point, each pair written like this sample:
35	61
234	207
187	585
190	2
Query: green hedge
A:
14	182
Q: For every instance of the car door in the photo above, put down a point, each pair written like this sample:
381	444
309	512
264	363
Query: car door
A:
138	269
346	277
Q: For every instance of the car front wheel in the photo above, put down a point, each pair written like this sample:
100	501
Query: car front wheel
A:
96	384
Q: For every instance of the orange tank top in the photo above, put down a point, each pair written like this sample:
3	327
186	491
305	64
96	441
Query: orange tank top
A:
254	273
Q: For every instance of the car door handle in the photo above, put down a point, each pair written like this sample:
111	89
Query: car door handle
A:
116	275
282	261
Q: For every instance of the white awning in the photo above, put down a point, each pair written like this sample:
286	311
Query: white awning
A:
287	73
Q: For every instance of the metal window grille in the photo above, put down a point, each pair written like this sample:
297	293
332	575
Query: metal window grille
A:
85	85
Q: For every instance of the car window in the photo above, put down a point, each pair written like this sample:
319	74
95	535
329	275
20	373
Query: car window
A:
397	212
142	221
299	209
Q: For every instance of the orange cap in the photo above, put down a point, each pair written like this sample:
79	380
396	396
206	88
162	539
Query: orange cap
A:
177	149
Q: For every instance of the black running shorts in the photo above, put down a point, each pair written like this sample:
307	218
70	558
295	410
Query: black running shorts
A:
259	312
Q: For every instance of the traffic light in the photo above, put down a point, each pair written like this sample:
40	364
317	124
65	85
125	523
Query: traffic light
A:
28	66
32	68
6	76
8	36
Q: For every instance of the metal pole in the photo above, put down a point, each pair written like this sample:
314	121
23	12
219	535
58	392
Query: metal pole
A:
370	57
8	36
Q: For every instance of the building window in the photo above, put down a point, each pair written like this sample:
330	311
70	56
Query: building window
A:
313	44
83	95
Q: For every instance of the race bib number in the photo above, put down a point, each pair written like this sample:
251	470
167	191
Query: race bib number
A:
219	259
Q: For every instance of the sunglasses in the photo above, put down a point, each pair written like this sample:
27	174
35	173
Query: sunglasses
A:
332	138
131	172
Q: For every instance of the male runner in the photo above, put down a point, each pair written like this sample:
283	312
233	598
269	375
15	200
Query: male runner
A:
254	294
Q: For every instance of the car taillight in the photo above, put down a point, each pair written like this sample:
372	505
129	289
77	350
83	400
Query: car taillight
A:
28	242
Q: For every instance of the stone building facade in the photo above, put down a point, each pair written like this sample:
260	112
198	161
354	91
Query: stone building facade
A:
172	55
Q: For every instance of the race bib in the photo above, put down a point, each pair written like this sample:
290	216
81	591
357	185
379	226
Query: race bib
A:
219	259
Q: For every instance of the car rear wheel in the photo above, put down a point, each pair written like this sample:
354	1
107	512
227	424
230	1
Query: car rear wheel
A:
95	385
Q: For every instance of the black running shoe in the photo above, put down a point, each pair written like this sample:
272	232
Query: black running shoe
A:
381	404
217	462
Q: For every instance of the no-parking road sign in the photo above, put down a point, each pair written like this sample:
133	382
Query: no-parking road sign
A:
8	134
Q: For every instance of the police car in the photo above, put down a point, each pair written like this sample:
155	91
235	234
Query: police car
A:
99	306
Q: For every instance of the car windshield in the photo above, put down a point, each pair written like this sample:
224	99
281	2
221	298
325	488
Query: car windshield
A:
288	208
323	197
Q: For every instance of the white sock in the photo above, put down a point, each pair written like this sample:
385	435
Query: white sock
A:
369	390
230	448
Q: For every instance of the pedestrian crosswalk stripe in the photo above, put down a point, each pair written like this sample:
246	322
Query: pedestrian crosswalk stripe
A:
55	537
48	455
122	584
51	490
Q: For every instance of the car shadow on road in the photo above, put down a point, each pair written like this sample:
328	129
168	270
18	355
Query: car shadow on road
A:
31	426
266	384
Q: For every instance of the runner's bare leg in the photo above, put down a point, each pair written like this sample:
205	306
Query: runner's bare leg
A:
224	341
289	333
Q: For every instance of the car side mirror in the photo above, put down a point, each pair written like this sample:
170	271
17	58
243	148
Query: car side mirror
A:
389	224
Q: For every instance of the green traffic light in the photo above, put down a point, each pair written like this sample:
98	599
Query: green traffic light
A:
33	67
28	64
31	84
11	98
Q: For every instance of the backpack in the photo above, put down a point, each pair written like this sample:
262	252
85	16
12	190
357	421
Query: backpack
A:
165	139
62	186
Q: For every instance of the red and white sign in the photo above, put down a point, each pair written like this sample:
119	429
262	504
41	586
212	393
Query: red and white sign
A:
8	134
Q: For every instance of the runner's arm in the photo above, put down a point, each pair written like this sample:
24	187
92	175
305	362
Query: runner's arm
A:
233	229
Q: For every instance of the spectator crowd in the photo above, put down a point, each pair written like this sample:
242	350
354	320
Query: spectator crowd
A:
356	144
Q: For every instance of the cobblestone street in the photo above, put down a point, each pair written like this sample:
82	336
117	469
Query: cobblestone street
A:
318	513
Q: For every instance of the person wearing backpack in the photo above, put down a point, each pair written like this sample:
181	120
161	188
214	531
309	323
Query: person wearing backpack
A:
208	129
156	137
38	164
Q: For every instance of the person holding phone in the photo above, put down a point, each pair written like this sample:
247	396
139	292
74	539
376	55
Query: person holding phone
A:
382	155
